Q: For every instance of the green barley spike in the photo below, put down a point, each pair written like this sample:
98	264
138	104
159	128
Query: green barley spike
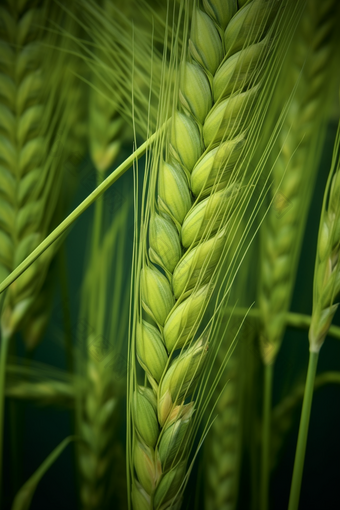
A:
197	190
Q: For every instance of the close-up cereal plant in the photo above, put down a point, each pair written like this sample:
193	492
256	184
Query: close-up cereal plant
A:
169	242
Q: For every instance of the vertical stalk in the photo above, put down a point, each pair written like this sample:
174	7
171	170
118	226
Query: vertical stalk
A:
303	433
16	428
266	419
69	350
3	358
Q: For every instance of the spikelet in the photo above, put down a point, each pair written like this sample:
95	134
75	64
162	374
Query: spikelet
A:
294	171
327	265
197	190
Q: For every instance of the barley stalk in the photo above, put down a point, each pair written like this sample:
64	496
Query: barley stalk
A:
283	412
187	235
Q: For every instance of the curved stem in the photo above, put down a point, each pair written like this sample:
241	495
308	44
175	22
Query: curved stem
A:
303	433
266	422
63	226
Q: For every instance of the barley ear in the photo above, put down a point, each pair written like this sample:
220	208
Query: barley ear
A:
196	180
32	148
102	330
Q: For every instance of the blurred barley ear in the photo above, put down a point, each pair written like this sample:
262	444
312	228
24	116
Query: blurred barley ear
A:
34	127
103	332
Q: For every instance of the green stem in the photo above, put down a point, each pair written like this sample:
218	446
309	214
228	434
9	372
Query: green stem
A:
3	358
266	421
303	433
63	226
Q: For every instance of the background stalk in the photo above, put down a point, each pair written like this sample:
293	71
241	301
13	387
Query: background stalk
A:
3	358
266	423
303	433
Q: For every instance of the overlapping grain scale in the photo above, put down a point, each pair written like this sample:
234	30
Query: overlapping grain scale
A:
197	192
99	423
294	171
327	265
31	127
